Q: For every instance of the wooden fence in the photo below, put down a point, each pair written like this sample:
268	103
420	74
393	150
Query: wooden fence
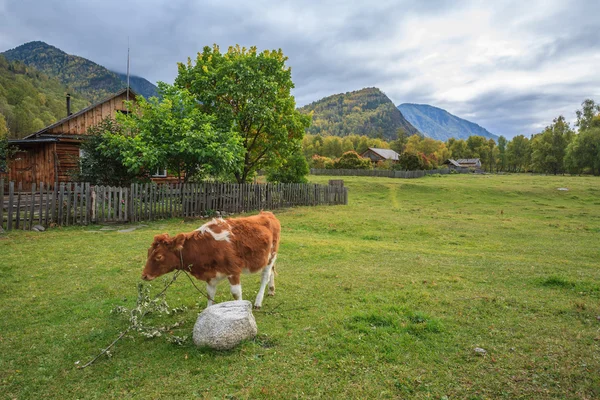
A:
385	173
81	203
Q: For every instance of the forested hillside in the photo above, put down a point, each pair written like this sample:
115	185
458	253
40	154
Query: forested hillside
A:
94	82
439	124
366	112
30	100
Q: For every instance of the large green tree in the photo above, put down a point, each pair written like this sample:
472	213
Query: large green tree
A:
589	109
549	147
174	133
501	161
248	92
583	153
518	154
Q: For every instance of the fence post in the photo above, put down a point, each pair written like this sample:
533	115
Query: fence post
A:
19	190
2	203
11	193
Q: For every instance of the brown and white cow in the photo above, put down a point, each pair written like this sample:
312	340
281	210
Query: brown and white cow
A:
219	249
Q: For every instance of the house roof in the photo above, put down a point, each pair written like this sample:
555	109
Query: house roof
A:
468	160
453	162
33	140
388	154
78	113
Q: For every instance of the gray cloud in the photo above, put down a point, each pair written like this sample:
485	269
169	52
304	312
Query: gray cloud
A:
510	66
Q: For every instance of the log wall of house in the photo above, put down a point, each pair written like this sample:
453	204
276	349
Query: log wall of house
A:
80	124
33	164
67	155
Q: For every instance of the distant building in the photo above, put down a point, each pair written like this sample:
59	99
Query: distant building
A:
471	163
377	155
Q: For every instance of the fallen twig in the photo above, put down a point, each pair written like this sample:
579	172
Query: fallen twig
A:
131	325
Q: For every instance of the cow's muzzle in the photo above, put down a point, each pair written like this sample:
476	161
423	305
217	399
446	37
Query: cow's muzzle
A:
147	277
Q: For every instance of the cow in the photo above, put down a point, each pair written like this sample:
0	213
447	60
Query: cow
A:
219	249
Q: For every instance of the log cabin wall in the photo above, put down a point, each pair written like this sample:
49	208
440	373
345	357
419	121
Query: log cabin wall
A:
35	163
79	125
67	156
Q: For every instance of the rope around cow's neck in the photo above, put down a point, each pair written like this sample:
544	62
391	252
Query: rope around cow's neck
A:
189	267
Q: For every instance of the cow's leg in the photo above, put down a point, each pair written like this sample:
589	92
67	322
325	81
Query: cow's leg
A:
211	289
266	276
235	287
272	282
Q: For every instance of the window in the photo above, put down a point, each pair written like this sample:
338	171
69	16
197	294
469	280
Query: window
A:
160	173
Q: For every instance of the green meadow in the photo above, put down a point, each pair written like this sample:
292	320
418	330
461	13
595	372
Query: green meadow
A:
386	297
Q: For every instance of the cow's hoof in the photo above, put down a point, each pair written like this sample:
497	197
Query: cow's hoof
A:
271	294
256	307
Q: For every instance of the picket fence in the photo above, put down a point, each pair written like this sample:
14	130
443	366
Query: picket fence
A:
385	173
82	204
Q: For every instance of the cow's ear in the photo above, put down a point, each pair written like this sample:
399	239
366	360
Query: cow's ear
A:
163	238
178	241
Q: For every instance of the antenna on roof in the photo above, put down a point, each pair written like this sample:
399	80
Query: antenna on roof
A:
127	68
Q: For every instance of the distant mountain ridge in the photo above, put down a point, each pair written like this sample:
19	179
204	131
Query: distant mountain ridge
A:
439	124
91	80
366	112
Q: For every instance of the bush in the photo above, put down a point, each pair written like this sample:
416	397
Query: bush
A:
385	165
351	160
408	162
293	170
321	162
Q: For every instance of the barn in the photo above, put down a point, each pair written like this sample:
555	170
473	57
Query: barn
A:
376	155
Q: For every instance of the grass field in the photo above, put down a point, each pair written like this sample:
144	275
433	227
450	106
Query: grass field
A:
384	298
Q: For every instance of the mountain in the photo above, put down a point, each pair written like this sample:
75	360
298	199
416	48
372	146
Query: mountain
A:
93	81
439	124
31	100
366	112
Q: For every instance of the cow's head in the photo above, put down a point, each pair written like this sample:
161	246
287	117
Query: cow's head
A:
163	256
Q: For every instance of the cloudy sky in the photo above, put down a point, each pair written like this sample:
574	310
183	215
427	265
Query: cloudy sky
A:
510	66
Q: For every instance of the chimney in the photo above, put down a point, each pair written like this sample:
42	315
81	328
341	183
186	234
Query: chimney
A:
68	104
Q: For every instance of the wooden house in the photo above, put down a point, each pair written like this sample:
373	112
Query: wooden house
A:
471	163
51	153
377	155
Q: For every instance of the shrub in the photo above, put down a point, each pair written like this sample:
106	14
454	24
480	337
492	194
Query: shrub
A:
351	160
408	162
321	162
293	170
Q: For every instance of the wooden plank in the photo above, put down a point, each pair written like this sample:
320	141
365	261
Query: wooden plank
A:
146	200
170	188
68	194
48	191
31	207
9	211
131	216
119	193
115	203
18	221
125	203
87	207
2	203
41	206
61	195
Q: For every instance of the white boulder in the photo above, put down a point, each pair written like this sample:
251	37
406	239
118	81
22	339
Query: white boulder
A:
223	326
